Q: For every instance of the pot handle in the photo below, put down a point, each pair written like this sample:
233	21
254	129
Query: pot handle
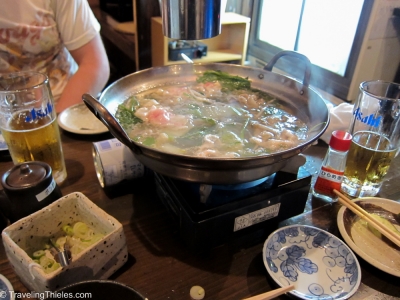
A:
109	121
307	73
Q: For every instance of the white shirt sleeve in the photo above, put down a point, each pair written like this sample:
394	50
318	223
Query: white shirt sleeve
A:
75	21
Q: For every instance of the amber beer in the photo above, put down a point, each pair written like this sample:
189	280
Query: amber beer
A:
368	162
28	120
35	140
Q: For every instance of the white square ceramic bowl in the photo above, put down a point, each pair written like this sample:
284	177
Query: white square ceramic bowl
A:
98	261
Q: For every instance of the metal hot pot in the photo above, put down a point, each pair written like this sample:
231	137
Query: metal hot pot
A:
296	96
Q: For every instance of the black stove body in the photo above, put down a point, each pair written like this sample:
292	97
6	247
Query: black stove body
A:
211	215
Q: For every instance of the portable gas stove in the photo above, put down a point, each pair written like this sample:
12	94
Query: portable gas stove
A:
210	215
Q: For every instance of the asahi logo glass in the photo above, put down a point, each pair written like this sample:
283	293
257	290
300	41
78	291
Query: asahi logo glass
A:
39	113
369	120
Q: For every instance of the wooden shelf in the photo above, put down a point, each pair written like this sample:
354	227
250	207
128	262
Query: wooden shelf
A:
212	56
229	46
126	42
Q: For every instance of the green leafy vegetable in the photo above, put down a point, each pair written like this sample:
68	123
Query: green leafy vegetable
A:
194	137
149	141
230	138
227	81
236	111
232	82
242	132
125	114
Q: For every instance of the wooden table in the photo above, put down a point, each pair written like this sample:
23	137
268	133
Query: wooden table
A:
161	267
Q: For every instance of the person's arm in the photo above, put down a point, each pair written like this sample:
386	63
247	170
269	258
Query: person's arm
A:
92	74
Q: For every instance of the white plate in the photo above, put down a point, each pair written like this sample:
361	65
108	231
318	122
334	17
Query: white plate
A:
3	145
317	263
378	252
79	119
5	289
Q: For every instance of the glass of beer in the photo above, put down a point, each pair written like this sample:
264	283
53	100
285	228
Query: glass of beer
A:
28	121
375	127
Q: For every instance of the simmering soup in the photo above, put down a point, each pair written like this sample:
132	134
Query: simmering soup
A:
219	115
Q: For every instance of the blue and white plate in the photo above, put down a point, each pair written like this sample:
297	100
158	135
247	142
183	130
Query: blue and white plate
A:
6	289
317	263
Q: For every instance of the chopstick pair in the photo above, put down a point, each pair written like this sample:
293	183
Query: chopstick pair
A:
272	294
395	238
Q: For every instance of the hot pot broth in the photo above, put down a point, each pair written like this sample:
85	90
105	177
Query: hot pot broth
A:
219	115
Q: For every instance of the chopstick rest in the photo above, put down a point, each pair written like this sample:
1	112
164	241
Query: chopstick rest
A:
272	294
392	236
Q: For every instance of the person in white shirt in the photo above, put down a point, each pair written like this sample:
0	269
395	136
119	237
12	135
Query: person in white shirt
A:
59	38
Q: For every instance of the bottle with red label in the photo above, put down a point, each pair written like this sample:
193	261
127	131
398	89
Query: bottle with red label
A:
332	169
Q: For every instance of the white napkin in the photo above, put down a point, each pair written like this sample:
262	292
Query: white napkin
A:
340	117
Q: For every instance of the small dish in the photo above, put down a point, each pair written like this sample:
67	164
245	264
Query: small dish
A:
379	252
317	263
97	261
6	289
79	119
3	145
